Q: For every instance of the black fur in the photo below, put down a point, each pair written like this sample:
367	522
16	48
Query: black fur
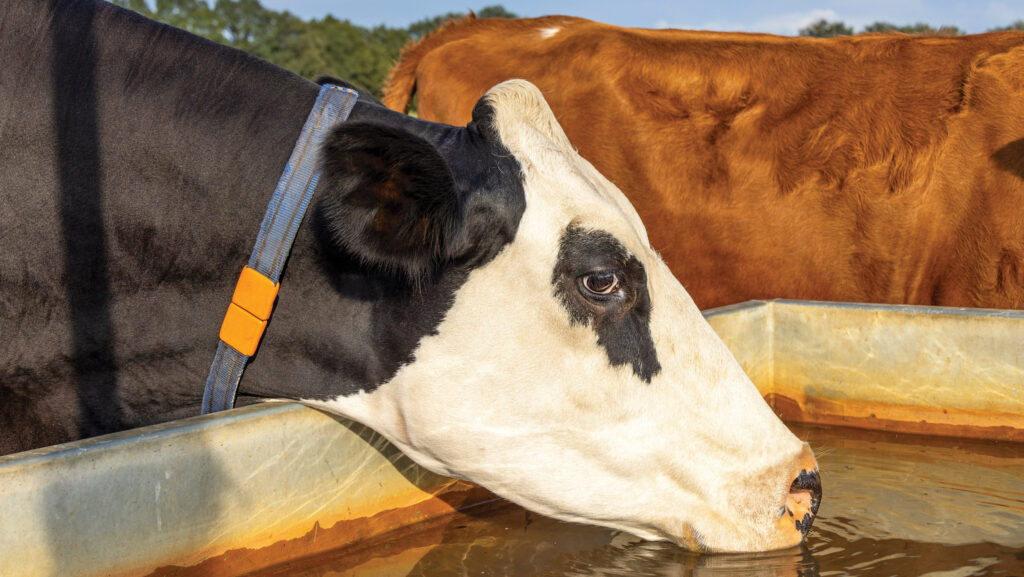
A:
136	162
389	198
621	320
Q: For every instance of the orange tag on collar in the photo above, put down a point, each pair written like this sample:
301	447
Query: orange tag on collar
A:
247	315
255	293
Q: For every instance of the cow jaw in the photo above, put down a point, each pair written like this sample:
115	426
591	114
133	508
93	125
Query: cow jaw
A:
521	393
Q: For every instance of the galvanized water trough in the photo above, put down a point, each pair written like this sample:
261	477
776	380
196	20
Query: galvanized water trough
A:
931	370
233	492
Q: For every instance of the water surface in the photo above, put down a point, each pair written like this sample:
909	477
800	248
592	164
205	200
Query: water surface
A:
894	505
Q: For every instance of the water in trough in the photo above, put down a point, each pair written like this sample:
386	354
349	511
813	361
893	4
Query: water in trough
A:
894	505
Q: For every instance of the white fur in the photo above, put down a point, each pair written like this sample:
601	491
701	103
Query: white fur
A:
546	33
510	395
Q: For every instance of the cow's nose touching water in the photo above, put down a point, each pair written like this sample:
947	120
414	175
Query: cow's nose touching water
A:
804	496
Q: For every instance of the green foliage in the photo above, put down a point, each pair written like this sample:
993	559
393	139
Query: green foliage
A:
139	6
1018	25
825	29
421	28
495	11
919	28
362	56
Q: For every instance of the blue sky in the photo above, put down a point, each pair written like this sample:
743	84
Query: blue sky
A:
779	16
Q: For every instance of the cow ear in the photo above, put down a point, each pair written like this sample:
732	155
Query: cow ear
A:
388	197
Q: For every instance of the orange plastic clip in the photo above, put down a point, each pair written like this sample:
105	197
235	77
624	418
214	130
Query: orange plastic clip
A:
248	312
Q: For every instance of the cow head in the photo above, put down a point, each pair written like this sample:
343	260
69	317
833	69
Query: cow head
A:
570	372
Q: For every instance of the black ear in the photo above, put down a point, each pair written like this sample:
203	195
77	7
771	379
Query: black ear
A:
388	197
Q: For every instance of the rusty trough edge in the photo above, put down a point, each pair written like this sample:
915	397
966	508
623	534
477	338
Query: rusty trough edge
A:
183	492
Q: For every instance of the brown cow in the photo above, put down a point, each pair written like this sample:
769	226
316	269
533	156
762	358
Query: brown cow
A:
884	168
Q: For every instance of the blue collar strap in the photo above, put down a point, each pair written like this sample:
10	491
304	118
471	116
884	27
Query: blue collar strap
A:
257	287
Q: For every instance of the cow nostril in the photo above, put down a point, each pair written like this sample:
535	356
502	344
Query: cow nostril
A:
808	481
804	498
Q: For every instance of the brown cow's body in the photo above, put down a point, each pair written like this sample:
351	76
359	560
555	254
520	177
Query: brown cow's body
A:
872	168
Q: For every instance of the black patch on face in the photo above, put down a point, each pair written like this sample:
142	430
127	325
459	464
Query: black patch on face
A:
589	259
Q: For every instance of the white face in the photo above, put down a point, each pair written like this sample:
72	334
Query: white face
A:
514	395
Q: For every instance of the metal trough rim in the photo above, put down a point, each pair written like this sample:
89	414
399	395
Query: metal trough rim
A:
182	492
916	309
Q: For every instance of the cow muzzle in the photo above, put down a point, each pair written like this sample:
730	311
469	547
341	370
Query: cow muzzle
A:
801	507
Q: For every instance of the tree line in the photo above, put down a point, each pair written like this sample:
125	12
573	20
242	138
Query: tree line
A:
826	29
360	55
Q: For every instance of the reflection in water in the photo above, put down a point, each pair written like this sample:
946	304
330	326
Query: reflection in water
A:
893	506
541	548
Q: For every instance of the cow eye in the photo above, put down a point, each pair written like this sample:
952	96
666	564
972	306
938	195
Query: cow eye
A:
601	283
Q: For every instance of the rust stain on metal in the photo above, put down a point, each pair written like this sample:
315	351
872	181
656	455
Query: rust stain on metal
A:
964	423
343	534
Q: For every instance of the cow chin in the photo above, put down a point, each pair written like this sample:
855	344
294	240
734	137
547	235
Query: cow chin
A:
616	465
656	503
751	516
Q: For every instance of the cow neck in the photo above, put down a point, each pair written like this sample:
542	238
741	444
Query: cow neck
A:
257	287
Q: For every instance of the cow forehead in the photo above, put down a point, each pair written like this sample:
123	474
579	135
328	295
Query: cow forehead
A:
577	224
569	187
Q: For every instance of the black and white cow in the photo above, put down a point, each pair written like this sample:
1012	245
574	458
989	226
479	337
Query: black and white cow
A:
479	295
